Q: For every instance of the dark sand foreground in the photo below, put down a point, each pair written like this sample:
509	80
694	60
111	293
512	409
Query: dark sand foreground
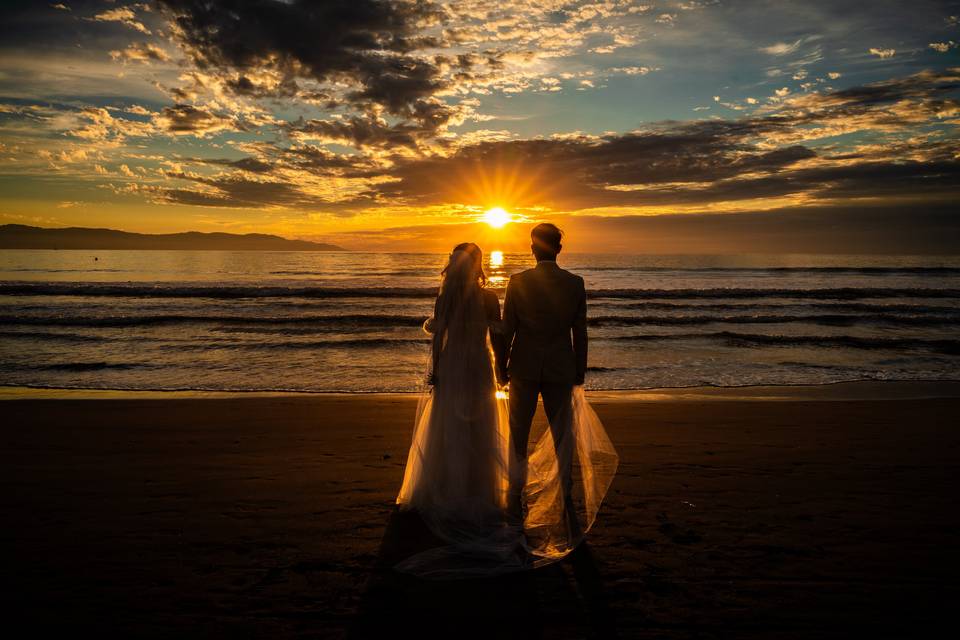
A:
778	513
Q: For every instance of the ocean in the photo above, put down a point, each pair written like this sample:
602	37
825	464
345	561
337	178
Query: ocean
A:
350	322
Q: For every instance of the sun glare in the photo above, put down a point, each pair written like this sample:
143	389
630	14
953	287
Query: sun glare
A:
496	258
496	217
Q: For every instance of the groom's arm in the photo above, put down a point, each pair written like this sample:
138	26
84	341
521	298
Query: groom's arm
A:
580	334
509	330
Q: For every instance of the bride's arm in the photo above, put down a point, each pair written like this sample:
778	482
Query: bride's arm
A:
436	347
432	327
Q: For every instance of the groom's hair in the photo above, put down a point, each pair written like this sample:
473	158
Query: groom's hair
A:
546	240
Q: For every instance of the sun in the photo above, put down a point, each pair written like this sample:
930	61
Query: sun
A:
496	217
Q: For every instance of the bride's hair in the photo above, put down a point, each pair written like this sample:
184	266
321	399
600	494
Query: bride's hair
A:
462	280
475	263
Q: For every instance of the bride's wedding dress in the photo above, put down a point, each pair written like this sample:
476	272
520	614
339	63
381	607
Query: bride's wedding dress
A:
461	458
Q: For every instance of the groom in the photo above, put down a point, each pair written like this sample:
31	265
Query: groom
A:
544	353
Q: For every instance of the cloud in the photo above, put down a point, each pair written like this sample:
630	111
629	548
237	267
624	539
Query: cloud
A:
97	125
781	48
144	52
123	15
943	47
883	54
632	71
138	110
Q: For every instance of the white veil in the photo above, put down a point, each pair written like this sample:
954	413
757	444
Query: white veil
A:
461	456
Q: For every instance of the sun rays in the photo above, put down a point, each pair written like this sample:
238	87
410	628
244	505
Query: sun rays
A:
498	188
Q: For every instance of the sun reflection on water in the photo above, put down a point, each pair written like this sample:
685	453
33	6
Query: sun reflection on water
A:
496	275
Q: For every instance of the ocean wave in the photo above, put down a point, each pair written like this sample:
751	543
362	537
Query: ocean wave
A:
48	335
934	271
42	270
180	290
91	366
832	293
845	307
361	272
373	320
349	343
833	320
730	338
357	321
948	347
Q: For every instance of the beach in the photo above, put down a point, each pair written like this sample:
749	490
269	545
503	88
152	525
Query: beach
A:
760	512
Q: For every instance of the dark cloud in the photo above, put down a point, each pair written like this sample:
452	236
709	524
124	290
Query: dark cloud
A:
359	131
641	170
253	165
318	160
425	118
891	228
581	171
186	118
306	158
717	160
885	179
368	43
924	84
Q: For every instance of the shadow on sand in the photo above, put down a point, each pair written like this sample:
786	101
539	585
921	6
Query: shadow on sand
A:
565	599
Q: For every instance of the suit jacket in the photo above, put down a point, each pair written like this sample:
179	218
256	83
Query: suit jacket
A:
545	325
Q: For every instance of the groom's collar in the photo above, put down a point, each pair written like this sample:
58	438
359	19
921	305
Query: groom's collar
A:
547	262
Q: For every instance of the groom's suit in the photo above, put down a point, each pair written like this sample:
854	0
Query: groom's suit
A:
545	354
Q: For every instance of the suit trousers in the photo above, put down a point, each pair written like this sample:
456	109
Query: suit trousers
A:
557	404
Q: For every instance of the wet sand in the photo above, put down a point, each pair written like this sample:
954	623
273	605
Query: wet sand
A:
748	513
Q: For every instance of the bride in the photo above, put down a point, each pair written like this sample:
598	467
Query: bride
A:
461	457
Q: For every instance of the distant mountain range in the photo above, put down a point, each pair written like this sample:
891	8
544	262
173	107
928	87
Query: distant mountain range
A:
19	236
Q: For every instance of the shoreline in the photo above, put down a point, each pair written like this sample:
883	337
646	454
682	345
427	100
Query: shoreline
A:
830	391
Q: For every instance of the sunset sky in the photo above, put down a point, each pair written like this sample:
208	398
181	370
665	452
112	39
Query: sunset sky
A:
707	126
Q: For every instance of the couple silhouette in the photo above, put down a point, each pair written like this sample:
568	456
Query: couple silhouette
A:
497	495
